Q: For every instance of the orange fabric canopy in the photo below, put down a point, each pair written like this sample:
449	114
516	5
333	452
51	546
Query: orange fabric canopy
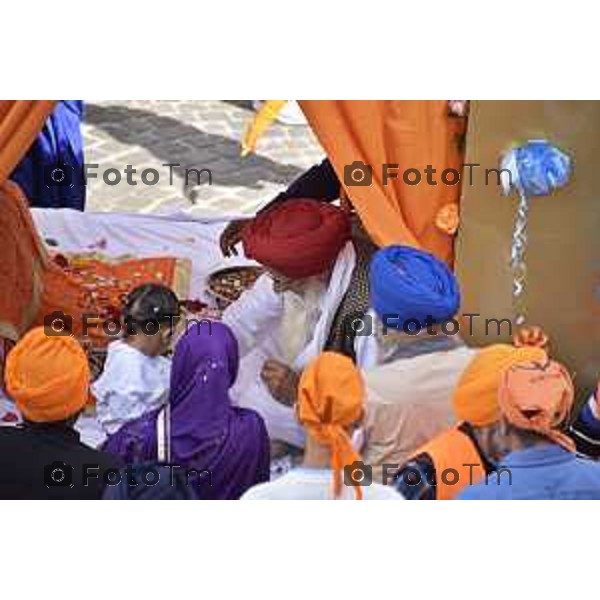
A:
22	257
411	134
20	122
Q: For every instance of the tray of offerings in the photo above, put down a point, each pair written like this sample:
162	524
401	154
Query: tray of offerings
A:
227	285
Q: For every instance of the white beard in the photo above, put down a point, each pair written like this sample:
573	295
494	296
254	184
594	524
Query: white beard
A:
301	313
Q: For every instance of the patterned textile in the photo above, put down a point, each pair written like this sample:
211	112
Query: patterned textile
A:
356	301
93	284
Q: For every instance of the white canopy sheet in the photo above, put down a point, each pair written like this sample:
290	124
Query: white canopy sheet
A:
142	236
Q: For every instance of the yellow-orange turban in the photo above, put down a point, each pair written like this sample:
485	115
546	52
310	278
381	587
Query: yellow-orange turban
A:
330	399
476	395
47	376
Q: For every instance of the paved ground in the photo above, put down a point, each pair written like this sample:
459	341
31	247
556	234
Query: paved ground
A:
199	134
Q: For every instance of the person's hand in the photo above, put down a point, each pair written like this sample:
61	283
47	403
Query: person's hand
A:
232	235
281	381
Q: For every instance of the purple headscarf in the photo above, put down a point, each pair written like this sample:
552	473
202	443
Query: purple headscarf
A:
207	432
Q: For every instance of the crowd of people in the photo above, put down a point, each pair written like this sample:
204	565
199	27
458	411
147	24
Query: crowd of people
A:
335	362
389	414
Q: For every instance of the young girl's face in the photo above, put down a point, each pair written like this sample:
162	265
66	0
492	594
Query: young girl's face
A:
157	344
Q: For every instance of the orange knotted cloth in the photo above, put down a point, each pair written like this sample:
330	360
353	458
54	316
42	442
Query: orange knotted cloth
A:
538	396
47	376
330	400
476	397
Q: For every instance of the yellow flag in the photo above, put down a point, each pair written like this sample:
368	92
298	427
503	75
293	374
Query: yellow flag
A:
263	119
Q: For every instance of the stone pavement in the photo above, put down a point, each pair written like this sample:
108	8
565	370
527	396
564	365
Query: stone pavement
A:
196	134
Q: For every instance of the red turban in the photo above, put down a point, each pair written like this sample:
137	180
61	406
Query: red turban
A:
297	238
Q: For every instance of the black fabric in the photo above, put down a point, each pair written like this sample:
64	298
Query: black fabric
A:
34	458
586	440
165	483
320	183
416	479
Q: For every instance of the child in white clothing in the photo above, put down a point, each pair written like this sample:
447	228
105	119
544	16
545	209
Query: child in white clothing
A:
135	379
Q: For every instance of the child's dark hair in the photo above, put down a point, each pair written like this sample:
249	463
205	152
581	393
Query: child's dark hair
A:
151	302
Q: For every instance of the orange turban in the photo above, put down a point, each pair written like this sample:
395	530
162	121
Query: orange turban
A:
538	396
330	399
297	238
47	376
476	396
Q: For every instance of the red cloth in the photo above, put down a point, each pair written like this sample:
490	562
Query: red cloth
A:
298	238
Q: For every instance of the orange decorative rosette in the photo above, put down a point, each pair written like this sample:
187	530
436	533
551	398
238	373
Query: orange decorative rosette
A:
447	218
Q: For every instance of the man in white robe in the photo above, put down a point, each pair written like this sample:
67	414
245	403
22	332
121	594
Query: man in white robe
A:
289	315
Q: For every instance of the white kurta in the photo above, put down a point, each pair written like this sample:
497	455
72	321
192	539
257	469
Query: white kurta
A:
314	484
131	385
409	401
256	320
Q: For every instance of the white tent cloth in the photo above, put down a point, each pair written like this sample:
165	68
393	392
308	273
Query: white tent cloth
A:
142	236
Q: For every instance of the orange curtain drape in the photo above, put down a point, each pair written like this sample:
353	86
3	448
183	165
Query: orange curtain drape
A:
22	257
20	122
412	134
23	261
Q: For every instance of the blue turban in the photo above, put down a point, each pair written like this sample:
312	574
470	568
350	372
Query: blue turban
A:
412	284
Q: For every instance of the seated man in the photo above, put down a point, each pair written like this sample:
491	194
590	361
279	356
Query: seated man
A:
464	454
410	372
316	281
49	378
535	400
330	405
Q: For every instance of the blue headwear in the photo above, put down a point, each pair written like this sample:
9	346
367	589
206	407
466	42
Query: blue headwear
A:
412	284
